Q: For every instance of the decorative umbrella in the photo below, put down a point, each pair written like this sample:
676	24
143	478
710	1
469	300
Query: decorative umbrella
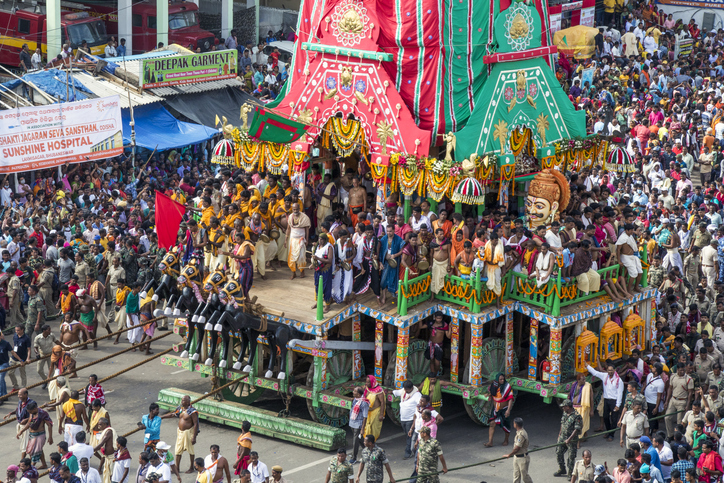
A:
619	160
469	191
223	152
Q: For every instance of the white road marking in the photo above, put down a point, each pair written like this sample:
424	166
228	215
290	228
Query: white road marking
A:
382	440
179	372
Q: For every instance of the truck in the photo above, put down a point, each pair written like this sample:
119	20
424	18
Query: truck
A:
26	23
183	20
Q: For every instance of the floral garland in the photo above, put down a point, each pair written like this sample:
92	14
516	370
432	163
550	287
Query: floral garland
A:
379	173
438	184
298	160
276	155
410	178
249	155
344	136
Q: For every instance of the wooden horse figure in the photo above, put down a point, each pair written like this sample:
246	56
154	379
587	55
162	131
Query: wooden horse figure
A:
165	287
234	319
191	300
205	317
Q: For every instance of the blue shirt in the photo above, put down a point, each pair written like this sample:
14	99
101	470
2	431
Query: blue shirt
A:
655	460
153	428
5	350
121	51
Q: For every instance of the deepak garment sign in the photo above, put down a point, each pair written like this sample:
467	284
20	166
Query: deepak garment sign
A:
42	137
693	3
188	69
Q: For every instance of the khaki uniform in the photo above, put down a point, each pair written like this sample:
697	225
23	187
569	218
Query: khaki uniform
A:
81	270
15	295
46	291
635	426
680	387
521	460
44	346
712	405
688	422
114	275
584	472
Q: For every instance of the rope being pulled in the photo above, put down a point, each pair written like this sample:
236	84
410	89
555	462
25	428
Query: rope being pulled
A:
82	344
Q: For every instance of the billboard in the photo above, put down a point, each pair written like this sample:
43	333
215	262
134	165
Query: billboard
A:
693	4
188	69
43	137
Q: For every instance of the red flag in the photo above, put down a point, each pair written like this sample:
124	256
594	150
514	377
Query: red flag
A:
168	219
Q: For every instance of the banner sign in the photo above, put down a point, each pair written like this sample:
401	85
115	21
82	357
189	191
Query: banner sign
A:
587	16
587	76
692	4
188	69
684	46
555	21
568	7
43	137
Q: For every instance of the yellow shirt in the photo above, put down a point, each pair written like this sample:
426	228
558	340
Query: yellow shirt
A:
229	220
206	216
179	197
121	295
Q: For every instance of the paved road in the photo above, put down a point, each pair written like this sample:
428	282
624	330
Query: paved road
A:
130	394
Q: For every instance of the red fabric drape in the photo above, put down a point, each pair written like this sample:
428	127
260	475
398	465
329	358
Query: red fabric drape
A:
168	219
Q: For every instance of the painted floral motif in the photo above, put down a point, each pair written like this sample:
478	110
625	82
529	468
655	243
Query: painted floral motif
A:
533	89
331	83
509	93
360	86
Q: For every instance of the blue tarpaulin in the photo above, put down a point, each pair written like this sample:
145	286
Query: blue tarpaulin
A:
53	82
156	128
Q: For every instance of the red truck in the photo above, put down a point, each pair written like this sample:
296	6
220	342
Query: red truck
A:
28	25
183	20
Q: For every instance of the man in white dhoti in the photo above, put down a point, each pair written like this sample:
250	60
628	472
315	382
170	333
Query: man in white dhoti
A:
627	253
297	236
343	277
672	243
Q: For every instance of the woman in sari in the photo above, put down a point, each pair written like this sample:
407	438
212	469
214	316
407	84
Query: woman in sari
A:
502	396
582	397
98	412
375	395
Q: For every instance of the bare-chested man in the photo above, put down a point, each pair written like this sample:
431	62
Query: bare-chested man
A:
88	316
72	418
438	330
217	465
357	200
464	261
106	448
98	291
188	428
72	332
440	260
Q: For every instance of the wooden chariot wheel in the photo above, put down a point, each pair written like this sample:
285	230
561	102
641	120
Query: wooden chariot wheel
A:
493	362
240	392
339	371
417	370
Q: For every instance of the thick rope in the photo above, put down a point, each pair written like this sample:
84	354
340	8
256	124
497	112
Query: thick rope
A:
89	342
529	451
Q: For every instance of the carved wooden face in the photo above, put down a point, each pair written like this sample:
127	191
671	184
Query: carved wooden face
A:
170	260
188	273
230	290
213	280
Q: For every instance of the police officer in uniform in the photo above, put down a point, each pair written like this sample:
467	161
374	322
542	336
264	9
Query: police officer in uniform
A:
571	426
521	460
35	311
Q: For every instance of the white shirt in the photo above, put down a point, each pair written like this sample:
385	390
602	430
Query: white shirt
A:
81	450
91	477
654	387
650	45
598	127
612	386
163	469
6	196
259	473
665	454
416	224
36	61
110	51
408	405
118	468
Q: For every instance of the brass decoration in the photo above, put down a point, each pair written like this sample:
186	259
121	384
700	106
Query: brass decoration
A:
501	134
520	27
246	108
331	93
468	165
384	131
351	23
361	98
542	125
450	141
306	116
346	77
520	82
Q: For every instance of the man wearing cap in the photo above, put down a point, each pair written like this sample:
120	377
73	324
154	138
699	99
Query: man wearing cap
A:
276	474
584	470
375	460
521	459
162	449
340	470
571	426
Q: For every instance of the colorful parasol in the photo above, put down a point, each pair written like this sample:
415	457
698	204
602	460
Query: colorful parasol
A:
619	160
223	152
469	191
